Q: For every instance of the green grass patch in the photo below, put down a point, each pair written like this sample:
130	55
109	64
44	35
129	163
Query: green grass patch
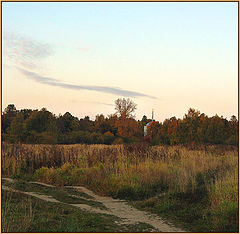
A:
73	191
65	195
23	213
192	216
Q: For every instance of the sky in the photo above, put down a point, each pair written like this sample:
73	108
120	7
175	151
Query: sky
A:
82	56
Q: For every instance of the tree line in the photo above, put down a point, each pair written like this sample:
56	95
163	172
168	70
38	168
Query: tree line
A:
43	127
195	127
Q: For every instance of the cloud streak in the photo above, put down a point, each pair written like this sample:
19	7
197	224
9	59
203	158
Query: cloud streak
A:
24	51
105	89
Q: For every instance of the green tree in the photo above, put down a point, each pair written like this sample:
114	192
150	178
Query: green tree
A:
101	124
67	123
11	110
233	127
8	115
26	112
17	130
86	124
40	121
144	119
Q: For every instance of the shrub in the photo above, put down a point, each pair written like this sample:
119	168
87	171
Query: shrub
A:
118	141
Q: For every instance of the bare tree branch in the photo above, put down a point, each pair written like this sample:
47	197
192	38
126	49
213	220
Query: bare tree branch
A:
125	108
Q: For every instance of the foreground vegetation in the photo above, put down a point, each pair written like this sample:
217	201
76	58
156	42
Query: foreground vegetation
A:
22	213
195	187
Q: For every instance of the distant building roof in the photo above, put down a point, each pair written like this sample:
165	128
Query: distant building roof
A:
145	128
148	123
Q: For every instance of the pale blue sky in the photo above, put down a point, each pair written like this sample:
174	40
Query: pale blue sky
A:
80	57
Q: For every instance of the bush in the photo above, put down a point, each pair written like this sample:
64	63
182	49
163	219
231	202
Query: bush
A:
118	141
47	138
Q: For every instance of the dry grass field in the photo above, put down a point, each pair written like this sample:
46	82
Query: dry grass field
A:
195	186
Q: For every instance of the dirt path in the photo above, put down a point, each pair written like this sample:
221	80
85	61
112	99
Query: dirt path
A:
127	213
116	207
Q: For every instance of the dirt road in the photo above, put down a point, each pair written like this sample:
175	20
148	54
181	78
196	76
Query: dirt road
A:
116	207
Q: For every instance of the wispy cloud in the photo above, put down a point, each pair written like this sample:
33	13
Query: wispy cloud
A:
23	51
105	89
34	76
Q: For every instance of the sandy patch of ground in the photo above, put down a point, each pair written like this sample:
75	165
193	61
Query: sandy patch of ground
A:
40	196
47	185
127	213
8	179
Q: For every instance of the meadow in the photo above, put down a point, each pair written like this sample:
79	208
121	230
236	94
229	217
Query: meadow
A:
195	187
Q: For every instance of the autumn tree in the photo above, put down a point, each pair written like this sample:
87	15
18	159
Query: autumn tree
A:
126	124
125	108
111	121
192	120
153	128
172	128
128	127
